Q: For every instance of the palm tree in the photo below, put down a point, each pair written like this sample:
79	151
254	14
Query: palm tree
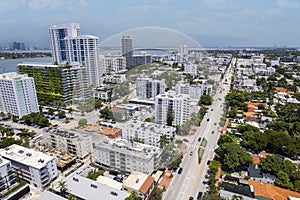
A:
62	187
72	197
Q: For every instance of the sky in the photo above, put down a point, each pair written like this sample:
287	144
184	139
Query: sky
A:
212	23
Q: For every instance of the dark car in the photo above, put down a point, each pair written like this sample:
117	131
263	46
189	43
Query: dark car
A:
191	198
207	119
199	139
208	162
199	195
180	170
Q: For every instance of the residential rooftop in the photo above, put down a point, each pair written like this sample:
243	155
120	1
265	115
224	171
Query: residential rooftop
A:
139	181
26	156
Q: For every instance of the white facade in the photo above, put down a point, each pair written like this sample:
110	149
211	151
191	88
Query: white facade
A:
112	64
69	46
194	91
179	105
190	69
7	177
147	88
57	38
78	144
128	156
85	49
262	69
114	78
147	132
33	166
17	94
183	52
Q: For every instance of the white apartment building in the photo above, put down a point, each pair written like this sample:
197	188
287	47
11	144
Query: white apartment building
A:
194	91
147	132
7	177
67	141
262	69
183	52
128	156
57	38
17	94
112	64
33	166
147	88
85	49
179	105
69	46
191	69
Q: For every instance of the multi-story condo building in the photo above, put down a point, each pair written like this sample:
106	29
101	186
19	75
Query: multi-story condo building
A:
85	50
183	52
33	166
66	141
194	91
191	69
147	88
128	156
57	38
141	59
146	132
69	46
113	64
17	94
179	105
127	50
58	84
7	177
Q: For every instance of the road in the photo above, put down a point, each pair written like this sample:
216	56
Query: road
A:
190	181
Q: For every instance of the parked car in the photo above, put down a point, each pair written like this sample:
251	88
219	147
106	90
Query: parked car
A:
199	139
180	170
199	196
191	153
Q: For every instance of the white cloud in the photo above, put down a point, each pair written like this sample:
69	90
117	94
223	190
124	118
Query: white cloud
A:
7	22
54	4
288	4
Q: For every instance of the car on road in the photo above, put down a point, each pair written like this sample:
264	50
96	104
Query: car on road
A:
207	119
191	198
215	123
191	153
199	196
212	132
179	171
208	162
199	139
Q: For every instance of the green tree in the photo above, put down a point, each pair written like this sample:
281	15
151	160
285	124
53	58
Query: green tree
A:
283	180
225	139
61	114
133	196
272	164
214	166
62	187
205	100
43	122
233	157
72	197
82	122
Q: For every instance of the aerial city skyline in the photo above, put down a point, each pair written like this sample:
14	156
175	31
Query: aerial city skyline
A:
212	23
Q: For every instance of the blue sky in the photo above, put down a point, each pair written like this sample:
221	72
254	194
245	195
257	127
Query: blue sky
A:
210	22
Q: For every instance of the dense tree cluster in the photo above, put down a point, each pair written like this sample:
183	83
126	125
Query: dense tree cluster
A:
36	119
287	175
205	100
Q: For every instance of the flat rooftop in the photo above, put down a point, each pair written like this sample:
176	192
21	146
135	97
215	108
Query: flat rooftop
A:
26	156
135	180
88	189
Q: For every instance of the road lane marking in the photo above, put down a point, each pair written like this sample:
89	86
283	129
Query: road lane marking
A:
195	180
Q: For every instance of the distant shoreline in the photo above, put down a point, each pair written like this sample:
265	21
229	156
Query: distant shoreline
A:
24	54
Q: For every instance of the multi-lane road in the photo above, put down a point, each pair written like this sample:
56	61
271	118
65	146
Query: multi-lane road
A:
190	181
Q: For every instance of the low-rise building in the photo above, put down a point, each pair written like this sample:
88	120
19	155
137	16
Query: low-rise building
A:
7	177
257	174
146	132
84	188
127	156
194	91
33	166
142	184
113	63
114	78
67	141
